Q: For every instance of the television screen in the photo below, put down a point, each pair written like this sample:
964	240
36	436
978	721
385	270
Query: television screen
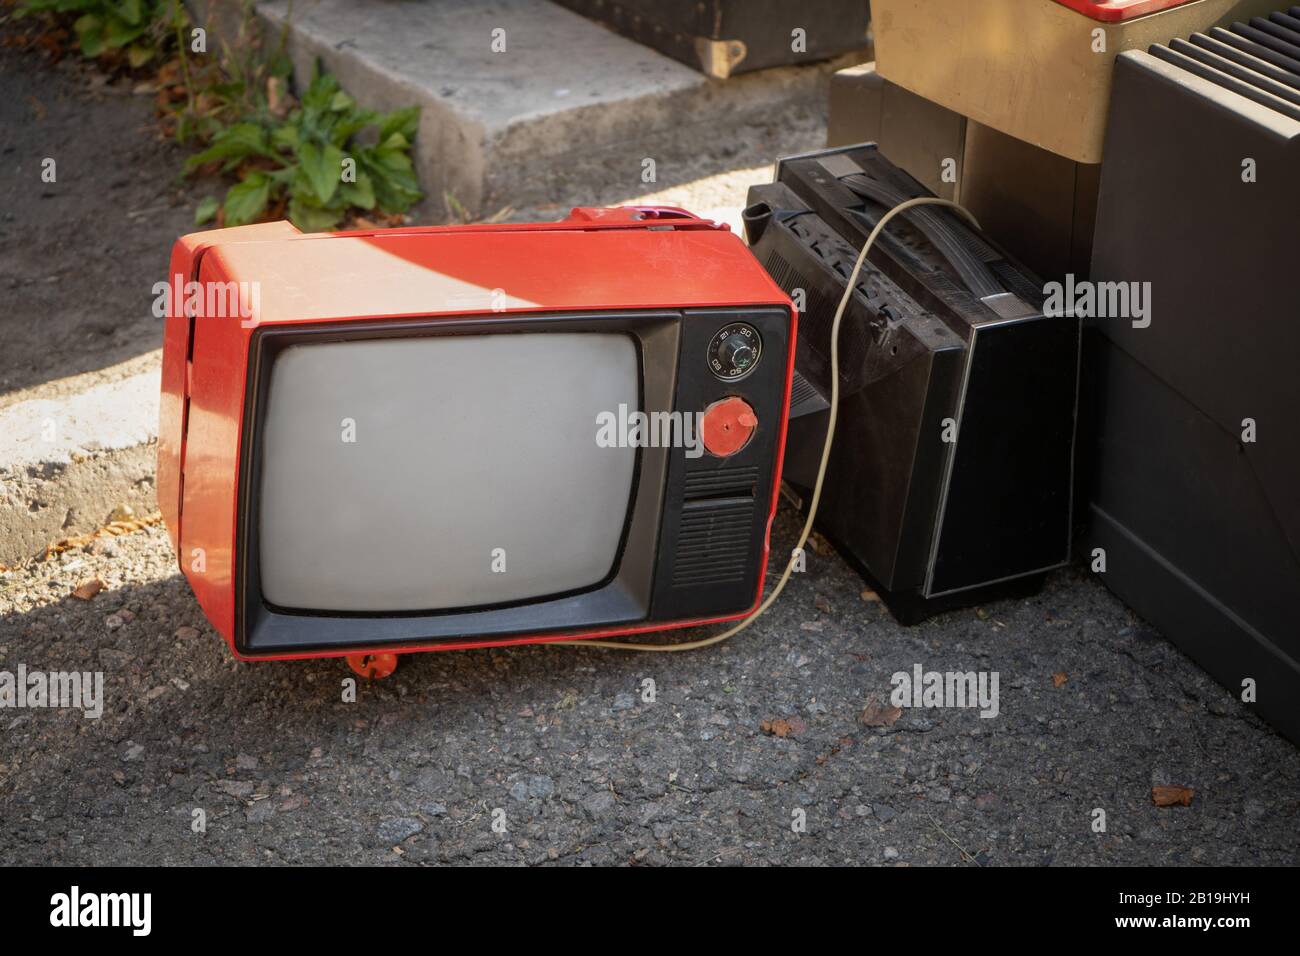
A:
443	471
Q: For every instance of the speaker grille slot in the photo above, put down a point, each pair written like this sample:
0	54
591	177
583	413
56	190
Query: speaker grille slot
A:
722	482
713	544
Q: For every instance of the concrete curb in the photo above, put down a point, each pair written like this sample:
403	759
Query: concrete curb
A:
67	462
566	95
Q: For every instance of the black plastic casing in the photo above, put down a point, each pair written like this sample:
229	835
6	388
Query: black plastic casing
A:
951	475
1200	526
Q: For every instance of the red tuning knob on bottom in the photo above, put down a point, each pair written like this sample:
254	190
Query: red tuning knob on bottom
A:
727	426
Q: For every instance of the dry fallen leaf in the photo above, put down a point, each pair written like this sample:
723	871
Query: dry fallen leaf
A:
1172	796
1059	678
88	589
777	728
874	715
783	727
819	544
113	529
278	98
170	72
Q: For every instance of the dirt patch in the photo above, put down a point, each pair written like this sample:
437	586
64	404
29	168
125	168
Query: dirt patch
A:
79	256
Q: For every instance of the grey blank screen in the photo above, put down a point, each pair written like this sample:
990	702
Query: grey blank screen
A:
463	444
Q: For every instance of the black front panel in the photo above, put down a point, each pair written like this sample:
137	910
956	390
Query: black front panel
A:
693	538
900	370
1007	507
716	509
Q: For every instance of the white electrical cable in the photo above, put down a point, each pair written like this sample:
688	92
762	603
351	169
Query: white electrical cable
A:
826	449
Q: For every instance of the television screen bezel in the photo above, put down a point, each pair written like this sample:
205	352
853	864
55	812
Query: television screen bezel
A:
623	597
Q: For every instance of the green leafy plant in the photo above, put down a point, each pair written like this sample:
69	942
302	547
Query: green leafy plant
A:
137	28
325	157
201	95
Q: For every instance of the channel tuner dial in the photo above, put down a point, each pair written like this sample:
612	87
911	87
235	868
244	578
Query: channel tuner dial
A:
734	351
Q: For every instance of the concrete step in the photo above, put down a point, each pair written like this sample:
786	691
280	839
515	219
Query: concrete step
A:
567	104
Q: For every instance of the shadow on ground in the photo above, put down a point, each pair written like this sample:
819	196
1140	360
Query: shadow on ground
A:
81	254
586	770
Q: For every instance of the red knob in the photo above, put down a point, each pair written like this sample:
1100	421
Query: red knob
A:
727	426
373	666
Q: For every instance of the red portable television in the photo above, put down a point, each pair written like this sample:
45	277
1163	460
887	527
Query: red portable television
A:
439	438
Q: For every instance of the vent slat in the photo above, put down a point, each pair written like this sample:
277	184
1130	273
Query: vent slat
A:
735	556
713	542
708	545
720	518
741	523
702	582
722	481
729	514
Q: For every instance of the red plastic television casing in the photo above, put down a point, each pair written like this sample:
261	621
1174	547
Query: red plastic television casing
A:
1116	11
626	258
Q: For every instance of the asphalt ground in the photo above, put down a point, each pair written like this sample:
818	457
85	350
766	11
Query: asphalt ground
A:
564	751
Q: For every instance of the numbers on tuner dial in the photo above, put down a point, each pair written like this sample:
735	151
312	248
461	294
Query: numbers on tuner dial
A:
734	351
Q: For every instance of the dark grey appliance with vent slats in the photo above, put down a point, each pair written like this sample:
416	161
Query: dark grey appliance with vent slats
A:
1200	196
951	475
